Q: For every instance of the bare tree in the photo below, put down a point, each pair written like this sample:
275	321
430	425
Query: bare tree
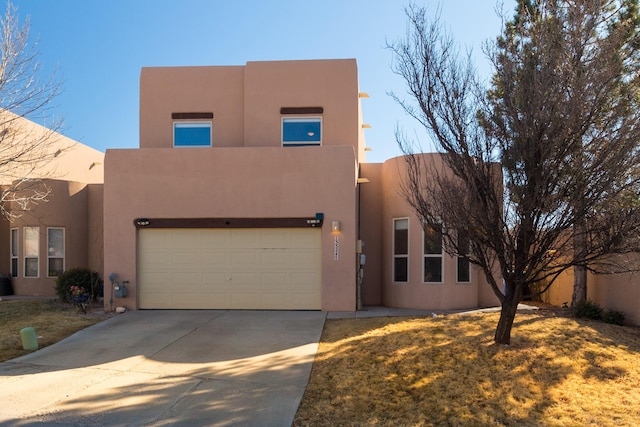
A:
544	158
26	150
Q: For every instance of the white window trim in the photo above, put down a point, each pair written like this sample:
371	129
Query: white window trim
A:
24	236
393	249
440	255
192	122
301	143
64	249
14	239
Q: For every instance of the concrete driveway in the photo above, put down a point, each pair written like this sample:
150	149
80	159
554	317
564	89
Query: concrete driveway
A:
162	368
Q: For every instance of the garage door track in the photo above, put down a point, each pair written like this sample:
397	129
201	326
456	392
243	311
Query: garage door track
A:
161	368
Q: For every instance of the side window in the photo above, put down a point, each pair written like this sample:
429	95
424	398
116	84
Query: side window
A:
433	253
14	252
31	251
192	134
463	272
301	131
55	251
401	250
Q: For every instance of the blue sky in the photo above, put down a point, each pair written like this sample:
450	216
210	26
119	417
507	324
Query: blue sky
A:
99	47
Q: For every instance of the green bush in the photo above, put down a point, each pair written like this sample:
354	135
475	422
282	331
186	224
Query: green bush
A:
614	317
82	278
588	309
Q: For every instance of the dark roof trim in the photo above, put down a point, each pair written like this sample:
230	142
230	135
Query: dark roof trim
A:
301	110
229	222
191	116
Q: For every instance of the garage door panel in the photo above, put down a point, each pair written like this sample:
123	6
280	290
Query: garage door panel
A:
185	261
306	301
276	280
185	239
248	239
244	258
154	259
215	258
304	258
275	259
221	242
230	268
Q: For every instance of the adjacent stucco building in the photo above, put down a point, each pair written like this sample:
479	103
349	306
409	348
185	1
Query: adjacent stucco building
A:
65	229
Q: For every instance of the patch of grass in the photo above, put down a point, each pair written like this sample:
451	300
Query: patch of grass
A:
51	320
558	371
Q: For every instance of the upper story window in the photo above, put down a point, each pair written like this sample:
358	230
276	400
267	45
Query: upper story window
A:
301	131
192	134
192	129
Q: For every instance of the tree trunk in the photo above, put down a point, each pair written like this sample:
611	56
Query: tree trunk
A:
507	316
580	270
579	285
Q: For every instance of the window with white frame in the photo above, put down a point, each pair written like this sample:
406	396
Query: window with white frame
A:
55	251
31	251
14	252
301	131
463	271
433	259
192	134
401	250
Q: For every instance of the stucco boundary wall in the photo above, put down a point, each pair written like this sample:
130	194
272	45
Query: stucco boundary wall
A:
619	292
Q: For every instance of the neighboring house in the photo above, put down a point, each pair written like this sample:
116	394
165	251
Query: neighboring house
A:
250	190
63	232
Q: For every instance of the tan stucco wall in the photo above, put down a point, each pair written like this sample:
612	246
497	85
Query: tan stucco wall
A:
233	182
612	291
246	101
68	207
166	90
370	231
95	225
416	294
52	155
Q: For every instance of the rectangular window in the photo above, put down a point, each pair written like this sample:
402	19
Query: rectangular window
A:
433	253
401	250
31	251
14	252
192	134
463	268
301	131
55	251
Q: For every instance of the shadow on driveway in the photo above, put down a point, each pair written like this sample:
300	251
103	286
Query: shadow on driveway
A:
166	367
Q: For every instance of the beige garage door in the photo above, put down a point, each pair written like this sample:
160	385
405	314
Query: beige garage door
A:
229	269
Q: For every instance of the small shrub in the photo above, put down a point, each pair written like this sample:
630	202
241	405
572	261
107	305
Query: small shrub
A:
588	309
79	278
613	316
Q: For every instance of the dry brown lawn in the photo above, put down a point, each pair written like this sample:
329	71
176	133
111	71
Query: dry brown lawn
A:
446	371
51	320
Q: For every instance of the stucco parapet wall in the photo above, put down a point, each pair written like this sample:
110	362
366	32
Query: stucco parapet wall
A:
229	181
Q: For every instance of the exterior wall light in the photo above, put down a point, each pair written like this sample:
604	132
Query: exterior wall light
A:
335	226
142	222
